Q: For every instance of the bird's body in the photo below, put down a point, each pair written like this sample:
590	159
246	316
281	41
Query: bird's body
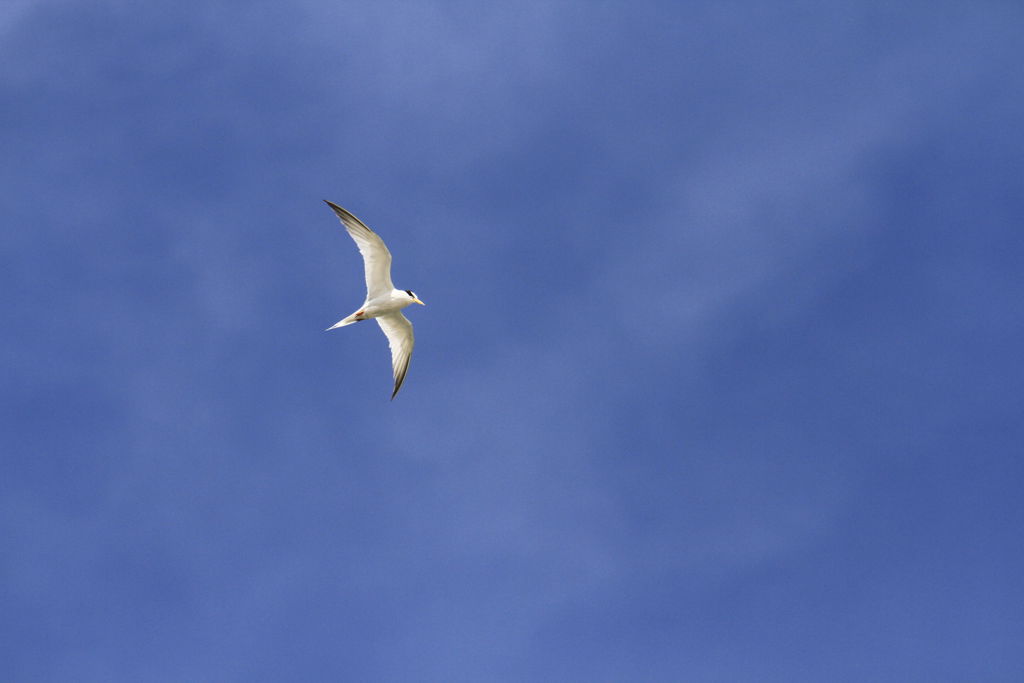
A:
389	304
383	302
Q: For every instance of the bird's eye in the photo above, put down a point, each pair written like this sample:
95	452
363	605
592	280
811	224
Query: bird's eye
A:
410	294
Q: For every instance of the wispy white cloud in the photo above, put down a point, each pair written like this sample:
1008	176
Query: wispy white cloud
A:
13	13
593	238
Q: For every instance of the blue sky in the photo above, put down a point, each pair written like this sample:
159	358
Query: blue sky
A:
719	377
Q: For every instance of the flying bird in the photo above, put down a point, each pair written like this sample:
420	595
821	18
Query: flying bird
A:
383	302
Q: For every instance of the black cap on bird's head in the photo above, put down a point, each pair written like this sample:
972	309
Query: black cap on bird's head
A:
415	298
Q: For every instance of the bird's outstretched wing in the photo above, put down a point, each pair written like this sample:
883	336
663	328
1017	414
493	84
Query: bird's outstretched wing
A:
376	257
398	330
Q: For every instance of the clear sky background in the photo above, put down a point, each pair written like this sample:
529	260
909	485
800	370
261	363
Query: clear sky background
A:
719	377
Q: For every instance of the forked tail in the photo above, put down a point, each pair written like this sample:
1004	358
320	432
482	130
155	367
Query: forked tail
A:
354	318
